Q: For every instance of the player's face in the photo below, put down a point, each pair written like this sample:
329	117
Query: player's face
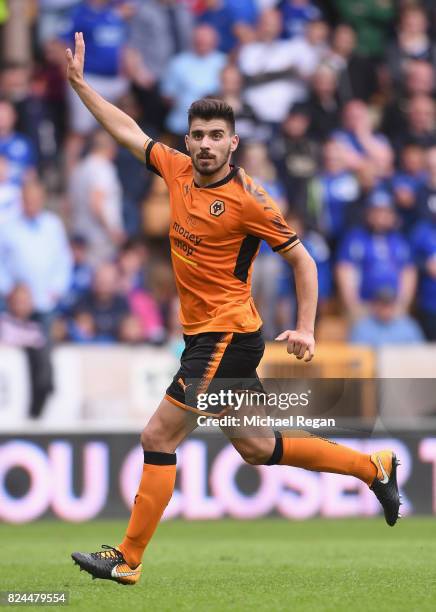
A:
210	145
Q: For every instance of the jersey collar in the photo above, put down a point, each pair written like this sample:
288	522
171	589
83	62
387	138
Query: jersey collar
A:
223	181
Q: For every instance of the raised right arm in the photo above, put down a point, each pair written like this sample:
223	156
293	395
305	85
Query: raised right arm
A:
119	125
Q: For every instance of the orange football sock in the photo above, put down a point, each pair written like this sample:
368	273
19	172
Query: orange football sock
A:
154	493
307	451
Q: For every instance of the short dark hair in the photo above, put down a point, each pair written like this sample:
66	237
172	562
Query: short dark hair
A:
212	108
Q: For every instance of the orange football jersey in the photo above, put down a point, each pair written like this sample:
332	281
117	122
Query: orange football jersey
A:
215	235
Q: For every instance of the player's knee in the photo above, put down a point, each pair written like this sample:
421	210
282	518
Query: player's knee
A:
152	440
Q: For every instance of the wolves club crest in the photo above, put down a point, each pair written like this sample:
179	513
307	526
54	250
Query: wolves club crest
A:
217	208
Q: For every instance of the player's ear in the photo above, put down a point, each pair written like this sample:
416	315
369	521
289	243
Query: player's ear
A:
187	142
234	143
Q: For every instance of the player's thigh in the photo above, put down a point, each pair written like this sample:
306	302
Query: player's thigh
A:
167	428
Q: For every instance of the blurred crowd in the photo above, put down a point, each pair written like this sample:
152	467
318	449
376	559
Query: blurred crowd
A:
335	107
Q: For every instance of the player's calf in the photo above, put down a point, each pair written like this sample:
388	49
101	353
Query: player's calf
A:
255	451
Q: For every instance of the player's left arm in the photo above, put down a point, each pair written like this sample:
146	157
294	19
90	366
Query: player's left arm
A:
301	340
262	217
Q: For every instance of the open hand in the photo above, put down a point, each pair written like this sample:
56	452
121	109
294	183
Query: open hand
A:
299	343
76	62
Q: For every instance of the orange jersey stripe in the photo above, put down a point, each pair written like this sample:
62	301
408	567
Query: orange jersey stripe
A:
214	362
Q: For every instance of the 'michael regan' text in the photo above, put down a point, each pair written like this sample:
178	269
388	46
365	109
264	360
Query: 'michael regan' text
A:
264	421
291	421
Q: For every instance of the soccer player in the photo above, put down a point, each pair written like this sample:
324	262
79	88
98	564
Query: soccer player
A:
218	217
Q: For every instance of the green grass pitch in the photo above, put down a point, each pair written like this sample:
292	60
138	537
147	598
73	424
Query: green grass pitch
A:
336	565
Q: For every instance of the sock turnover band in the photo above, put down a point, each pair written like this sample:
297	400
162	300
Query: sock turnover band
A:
155	458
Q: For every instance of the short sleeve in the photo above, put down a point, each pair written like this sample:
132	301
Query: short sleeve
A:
263	218
164	161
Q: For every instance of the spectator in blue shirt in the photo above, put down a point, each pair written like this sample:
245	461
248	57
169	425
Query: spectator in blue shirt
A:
296	15
407	184
103	307
105	32
34	251
364	146
192	75
424	248
427	193
233	20
17	148
373	256
81	275
333	193
423	241
320	251
384	325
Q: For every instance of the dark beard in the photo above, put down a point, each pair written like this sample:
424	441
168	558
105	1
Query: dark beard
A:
210	171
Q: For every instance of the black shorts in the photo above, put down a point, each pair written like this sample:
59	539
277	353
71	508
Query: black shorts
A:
216	361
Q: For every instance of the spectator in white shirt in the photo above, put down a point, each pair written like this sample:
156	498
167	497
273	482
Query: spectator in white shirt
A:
34	251
96	200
